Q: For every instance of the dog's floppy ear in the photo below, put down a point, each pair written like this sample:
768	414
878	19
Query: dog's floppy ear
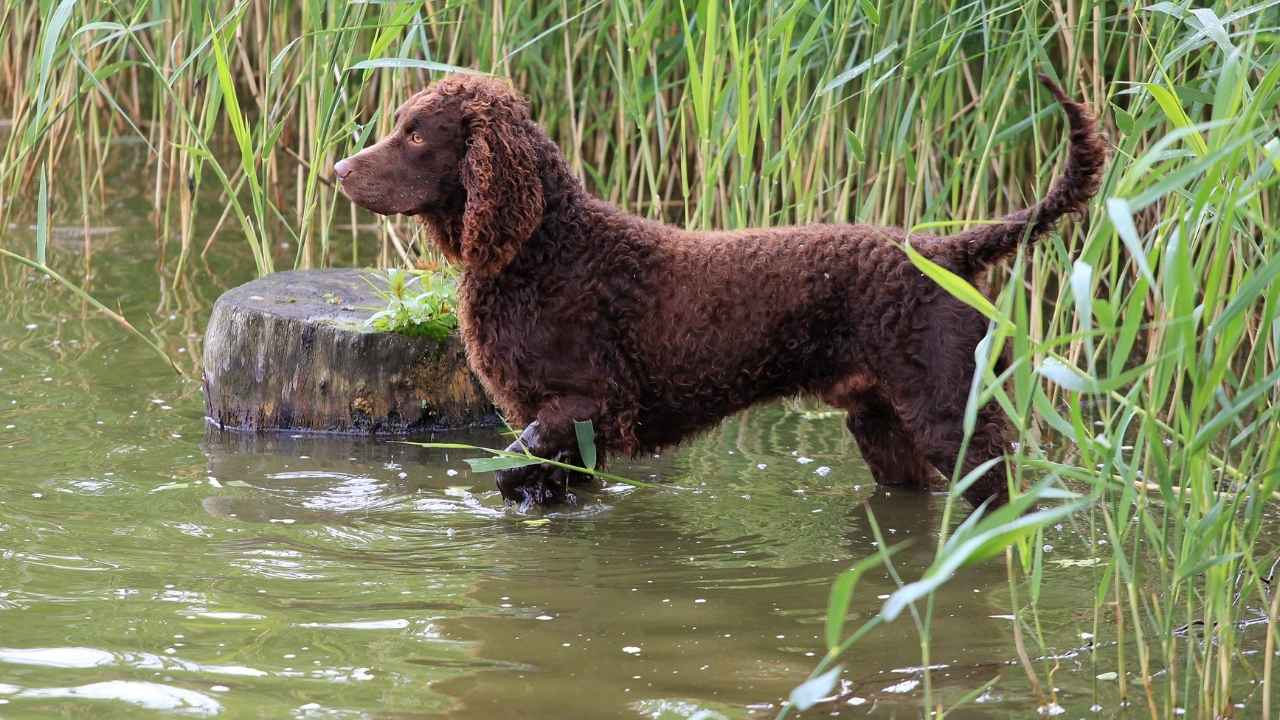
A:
504	189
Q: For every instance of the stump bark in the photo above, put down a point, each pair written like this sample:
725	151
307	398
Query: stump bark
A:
290	352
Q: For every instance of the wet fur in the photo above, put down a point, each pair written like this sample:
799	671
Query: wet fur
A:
572	309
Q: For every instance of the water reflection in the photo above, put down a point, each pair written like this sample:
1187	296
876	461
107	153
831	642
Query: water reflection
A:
710	589
149	696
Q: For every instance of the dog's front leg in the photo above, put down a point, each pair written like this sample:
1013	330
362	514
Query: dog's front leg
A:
553	437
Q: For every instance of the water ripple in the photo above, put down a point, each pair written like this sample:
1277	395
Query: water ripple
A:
151	696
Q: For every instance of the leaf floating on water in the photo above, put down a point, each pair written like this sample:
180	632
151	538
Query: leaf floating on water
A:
539	522
1068	563
903	687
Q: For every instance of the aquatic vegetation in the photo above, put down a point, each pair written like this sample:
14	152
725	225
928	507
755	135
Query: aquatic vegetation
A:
1149	385
40	264
1137	353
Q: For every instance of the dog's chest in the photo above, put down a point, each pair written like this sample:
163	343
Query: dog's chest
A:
514	344
481	323
530	341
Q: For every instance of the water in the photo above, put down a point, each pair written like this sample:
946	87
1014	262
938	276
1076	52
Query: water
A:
151	567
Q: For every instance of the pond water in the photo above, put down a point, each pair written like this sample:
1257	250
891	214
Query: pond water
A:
151	567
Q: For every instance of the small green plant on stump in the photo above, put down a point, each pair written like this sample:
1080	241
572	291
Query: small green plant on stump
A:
418	304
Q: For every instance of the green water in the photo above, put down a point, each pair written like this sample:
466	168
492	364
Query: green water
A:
150	567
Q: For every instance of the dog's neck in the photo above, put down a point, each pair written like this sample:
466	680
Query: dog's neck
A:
444	230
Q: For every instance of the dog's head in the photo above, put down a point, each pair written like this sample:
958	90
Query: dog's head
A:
461	156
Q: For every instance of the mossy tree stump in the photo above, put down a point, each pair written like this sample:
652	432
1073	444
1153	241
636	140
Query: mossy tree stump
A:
289	352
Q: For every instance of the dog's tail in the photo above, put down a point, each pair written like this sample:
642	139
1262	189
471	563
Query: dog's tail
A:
1069	193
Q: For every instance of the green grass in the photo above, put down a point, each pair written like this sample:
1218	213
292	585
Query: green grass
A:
1144	337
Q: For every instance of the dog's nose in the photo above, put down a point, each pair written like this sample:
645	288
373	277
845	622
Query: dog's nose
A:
342	168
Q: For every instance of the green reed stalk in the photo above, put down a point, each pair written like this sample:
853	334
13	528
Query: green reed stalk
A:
1143	340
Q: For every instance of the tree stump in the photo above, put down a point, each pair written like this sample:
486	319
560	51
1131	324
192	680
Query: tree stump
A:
289	352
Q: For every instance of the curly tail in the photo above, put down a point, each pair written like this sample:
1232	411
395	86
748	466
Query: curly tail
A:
1070	192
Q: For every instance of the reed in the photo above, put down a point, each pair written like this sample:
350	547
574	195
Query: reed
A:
1143	338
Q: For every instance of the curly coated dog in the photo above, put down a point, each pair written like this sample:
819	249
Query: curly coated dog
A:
572	309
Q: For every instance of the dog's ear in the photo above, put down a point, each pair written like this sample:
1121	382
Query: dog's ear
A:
504	189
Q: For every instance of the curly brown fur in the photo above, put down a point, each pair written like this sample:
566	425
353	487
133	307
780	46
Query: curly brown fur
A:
574	310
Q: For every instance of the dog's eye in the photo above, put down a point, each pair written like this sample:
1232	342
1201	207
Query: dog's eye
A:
416	138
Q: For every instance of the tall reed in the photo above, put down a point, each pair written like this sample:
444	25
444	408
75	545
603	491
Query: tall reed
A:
1143	338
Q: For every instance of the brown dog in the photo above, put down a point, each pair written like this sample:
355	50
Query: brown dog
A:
574	310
